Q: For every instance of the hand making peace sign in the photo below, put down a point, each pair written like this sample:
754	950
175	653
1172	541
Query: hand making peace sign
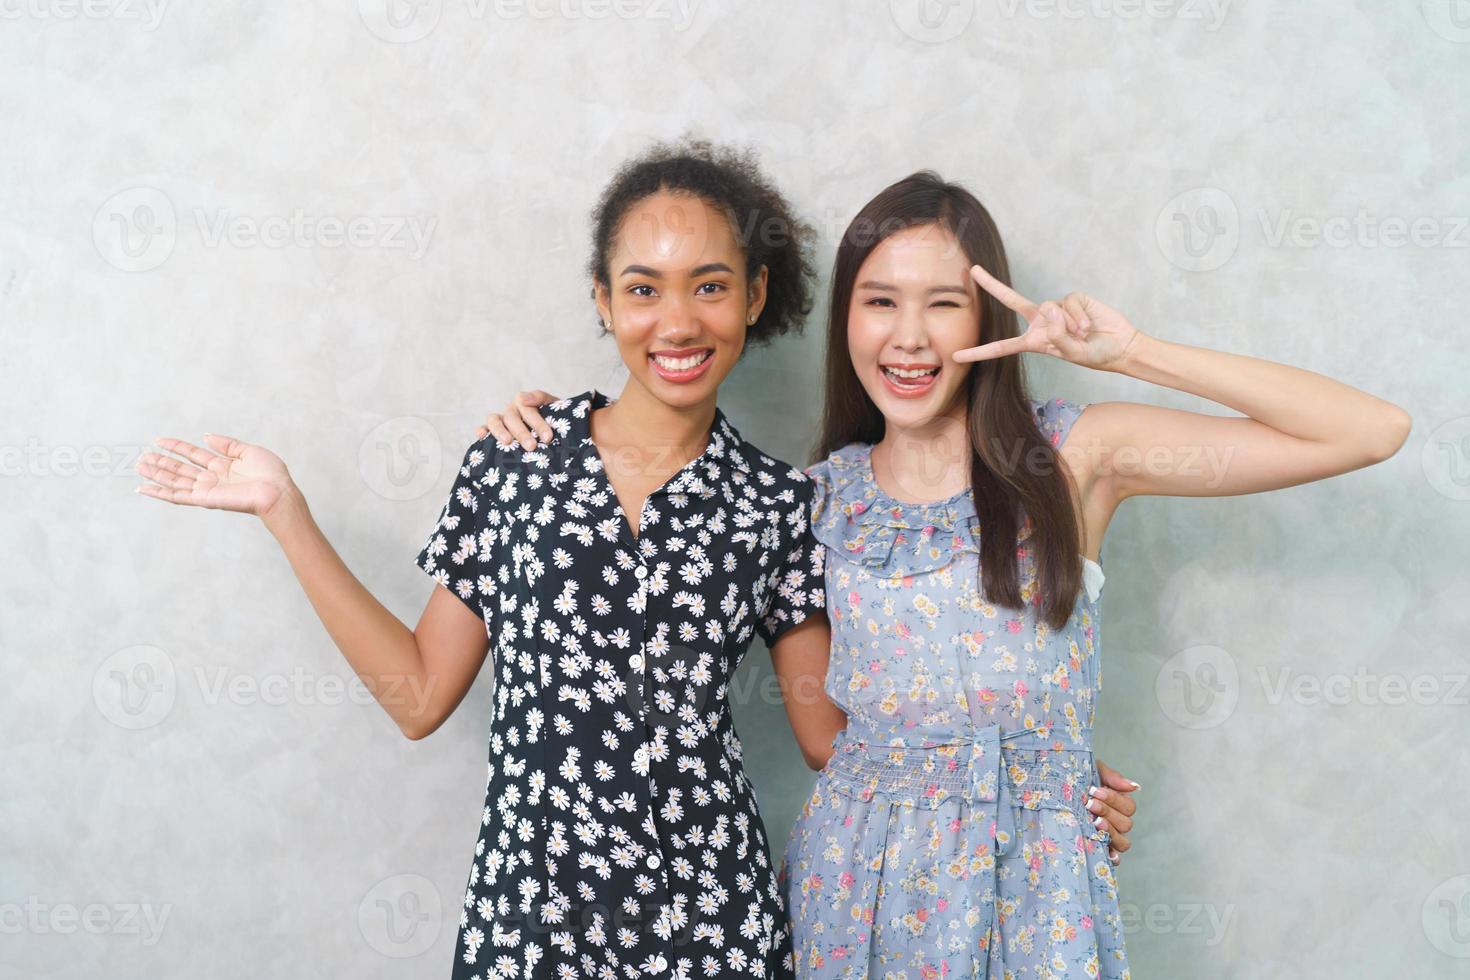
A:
1080	329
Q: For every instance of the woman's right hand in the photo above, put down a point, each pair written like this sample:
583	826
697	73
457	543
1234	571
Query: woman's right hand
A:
230	475
520	422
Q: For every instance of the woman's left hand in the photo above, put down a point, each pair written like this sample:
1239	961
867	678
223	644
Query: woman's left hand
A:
1112	804
1080	329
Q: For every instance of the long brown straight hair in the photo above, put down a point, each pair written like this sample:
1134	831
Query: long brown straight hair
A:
1006	444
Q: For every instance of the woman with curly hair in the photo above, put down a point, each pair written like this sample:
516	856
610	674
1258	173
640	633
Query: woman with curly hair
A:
619	569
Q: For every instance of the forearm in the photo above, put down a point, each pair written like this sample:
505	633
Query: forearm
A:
381	649
815	719
1292	400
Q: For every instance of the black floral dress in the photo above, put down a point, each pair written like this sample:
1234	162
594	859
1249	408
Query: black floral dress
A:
620	836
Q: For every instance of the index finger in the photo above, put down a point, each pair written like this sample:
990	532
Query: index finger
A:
1004	293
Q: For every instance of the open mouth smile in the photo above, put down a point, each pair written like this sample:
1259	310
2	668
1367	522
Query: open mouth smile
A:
682	366
909	380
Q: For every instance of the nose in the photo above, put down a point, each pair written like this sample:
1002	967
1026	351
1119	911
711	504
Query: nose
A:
678	321
909	334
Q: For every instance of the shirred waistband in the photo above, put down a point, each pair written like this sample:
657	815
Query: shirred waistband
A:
928	773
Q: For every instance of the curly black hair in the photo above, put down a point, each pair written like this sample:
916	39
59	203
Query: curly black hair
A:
729	179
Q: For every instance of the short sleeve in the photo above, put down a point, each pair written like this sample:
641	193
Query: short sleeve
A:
1055	416
460	547
800	587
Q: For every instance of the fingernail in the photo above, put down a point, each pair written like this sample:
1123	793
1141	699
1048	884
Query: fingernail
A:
1135	785
1098	823
1112	855
1093	791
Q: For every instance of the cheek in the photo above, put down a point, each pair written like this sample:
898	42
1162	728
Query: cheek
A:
729	324
955	336
864	339
633	330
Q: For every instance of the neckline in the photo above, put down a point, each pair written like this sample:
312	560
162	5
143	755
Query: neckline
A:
724	447
948	502
872	479
718	444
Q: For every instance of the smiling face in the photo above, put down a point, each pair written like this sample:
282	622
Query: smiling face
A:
678	298
913	305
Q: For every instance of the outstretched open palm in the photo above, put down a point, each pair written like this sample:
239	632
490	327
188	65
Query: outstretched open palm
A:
231	475
1080	328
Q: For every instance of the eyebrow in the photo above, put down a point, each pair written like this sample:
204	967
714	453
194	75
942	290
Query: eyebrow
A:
886	287
703	270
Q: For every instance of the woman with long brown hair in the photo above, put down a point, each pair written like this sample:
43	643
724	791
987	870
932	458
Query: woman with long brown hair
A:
950	833
615	575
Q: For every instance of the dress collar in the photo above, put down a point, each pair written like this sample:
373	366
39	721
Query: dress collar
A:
724	454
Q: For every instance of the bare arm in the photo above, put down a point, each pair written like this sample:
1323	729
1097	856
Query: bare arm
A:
419	676
1299	427
800	659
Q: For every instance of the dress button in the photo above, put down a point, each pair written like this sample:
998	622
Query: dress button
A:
637	661
640	572
653	861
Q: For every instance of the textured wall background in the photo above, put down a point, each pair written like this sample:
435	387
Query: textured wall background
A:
346	230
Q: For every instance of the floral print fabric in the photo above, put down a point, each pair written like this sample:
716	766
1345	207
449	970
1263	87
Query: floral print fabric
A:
620	837
947	836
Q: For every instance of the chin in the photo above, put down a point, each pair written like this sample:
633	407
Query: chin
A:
913	411
682	394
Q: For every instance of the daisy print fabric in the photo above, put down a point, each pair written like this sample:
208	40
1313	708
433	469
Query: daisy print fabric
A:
620	837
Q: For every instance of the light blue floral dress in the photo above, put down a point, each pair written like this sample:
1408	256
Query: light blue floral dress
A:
947	836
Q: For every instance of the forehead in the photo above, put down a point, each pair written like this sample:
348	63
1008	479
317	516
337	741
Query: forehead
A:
924	252
669	231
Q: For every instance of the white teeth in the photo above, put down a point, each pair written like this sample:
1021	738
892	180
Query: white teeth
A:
682	363
915	373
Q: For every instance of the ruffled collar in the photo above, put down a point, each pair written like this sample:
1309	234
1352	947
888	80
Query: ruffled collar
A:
865	502
871	526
